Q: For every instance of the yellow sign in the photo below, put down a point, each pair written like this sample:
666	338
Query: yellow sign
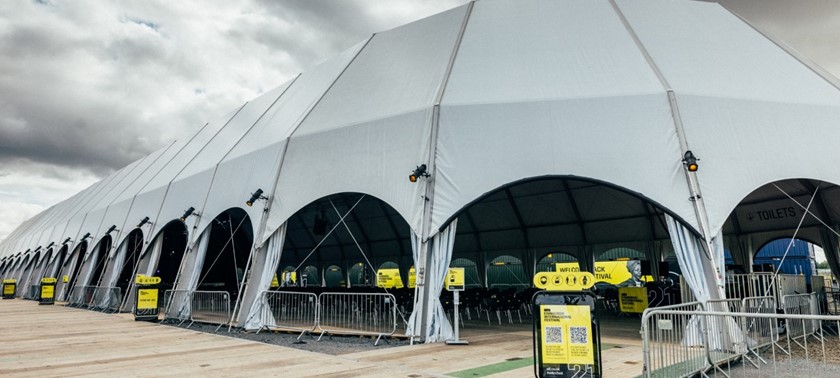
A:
455	279
619	273
275	282
147	299
143	280
566	335
48	280
65	279
412	278
572	281
632	300
389	278
10	280
9	287
47	291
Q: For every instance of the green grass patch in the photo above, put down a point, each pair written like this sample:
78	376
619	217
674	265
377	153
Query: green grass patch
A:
483	371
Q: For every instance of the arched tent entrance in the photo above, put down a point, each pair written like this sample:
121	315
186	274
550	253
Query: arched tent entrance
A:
70	270
91	272
215	265
514	229
117	276
20	272
54	266
804	209
331	236
26	290
223	267
160	258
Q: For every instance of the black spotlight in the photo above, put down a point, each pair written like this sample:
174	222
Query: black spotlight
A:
50	245
66	241
420	171
187	213
320	225
690	161
87	235
143	222
111	229
255	196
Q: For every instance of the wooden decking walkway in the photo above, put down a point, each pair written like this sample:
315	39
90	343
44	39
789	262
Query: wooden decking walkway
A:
48	341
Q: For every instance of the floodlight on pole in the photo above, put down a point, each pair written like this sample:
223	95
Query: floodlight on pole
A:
690	161
111	229
143	222
87	235
188	213
66	241
50	245
418	172
255	196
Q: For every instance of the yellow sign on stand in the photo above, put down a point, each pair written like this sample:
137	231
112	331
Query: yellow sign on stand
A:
572	281
455	279
65	279
147	299
566	335
632	300
412	278
275	282
389	278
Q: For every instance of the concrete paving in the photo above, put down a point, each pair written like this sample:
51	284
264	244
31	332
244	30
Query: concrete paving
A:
51	341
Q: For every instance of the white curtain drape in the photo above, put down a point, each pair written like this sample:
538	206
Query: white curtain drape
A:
106	298
440	246
263	268
414	318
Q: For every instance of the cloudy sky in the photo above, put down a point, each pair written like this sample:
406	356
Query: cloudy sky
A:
87	87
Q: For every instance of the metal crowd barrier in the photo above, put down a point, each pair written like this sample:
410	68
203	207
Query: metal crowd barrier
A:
176	305
212	307
673	343
286	310
358	314
100	298
832	302
799	304
727	336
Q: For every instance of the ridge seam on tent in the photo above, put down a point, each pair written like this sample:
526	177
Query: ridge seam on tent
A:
691	178
811	65
300	121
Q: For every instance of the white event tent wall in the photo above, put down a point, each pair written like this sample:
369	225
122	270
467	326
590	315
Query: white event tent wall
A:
488	95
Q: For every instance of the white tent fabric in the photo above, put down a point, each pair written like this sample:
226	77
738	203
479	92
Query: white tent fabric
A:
263	269
189	276
602	93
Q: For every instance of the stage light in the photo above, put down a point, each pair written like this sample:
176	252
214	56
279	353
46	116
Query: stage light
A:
50	245
255	196
690	161
143	222
87	235
65	241
418	172
187	213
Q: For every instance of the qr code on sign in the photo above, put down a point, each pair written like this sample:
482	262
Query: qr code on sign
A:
578	335
554	335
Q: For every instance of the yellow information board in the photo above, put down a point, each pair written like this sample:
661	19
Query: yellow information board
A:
632	300
566	332
571	281
389	278
47	291
147	299
275	282
412	278
455	279
48	280
9	287
65	278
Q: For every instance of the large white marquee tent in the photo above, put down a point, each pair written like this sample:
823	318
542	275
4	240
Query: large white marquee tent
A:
576	112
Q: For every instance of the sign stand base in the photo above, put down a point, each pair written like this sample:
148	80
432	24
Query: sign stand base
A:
456	315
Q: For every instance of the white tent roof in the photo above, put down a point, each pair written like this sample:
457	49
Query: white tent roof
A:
488	94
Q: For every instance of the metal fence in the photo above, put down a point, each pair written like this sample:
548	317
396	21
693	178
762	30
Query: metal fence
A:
357	313
293	311
679	342
212	307
99	298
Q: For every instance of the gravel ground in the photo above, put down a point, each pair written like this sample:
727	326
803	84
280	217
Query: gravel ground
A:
329	344
815	363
